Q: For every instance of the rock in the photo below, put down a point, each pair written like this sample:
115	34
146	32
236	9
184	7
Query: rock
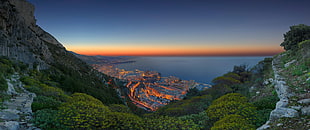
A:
283	93
304	101
283	112
305	111
268	81
279	124
8	116
265	126
289	63
12	125
11	89
296	107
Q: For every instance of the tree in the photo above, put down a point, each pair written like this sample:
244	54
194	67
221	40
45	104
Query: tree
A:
297	34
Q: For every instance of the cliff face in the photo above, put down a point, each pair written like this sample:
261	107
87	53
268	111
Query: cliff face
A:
21	38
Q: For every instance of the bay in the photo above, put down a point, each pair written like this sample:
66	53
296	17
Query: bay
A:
200	69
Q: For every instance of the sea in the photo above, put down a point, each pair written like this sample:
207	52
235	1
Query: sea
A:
200	69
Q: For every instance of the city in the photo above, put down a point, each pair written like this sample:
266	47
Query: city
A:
148	89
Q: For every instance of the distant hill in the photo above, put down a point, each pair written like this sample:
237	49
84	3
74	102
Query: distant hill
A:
103	59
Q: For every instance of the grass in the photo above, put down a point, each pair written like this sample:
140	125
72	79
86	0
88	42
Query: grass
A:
297	123
3	97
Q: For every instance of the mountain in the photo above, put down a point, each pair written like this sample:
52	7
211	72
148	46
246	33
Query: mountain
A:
40	64
22	40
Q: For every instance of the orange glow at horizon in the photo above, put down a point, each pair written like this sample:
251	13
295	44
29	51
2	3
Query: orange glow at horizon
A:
170	50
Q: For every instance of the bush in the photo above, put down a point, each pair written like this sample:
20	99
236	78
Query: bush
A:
266	102
193	105
47	119
119	108
232	103
304	44
168	123
43	102
3	84
233	122
84	111
262	117
201	119
35	86
124	121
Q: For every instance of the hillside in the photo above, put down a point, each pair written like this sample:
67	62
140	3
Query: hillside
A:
44	86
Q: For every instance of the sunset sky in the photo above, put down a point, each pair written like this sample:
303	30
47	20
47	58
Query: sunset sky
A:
171	27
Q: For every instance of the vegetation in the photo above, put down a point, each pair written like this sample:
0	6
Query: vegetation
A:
233	122
70	95
233	103
297	34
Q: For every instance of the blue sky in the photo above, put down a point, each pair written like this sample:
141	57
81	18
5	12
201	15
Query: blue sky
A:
111	26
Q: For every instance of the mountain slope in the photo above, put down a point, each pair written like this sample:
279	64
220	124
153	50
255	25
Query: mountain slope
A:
22	40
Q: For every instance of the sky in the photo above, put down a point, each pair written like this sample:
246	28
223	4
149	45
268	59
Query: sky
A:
171	27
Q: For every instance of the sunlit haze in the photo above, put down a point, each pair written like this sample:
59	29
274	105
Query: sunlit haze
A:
171	27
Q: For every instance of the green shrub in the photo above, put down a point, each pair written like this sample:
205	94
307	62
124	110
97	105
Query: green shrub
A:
304	44
201	119
119	108
233	103
3	84
233	122
124	121
268	102
84	111
262	117
169	123
43	102
47	119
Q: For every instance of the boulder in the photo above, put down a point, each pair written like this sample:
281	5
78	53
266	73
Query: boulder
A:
8	116
305	111
283	112
12	125
304	101
289	63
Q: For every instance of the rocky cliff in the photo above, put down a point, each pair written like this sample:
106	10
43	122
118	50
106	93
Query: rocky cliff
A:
21	38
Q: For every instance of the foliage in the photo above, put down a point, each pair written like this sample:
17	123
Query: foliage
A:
74	75
262	116
43	102
45	90
267	102
168	123
3	84
193	105
233	103
201	119
119	108
295	35
225	80
6	66
83	111
233	122
304	44
47	119
124	121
